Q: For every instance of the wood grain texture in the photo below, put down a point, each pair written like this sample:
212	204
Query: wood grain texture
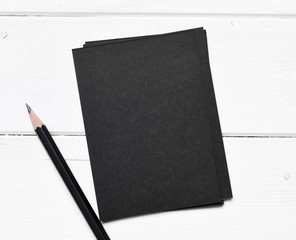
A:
253	65
34	198
275	7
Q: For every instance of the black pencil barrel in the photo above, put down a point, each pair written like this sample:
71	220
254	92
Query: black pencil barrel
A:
71	183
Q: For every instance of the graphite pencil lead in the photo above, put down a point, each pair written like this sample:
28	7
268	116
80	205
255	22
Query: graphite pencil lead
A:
28	107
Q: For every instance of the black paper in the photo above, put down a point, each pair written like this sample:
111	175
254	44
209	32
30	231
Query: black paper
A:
151	123
220	158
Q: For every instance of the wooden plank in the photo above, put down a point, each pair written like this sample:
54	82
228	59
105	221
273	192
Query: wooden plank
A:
34	198
252	60
73	148
35	203
151	6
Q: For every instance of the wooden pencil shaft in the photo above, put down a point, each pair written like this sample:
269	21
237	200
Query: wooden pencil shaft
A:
67	169
71	183
62	160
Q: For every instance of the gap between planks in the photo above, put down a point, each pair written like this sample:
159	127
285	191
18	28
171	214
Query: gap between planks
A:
145	14
224	135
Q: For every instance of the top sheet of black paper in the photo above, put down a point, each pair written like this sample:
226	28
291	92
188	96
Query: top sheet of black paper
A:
220	158
151	124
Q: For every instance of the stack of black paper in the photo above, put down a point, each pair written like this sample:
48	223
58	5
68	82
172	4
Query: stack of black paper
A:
151	123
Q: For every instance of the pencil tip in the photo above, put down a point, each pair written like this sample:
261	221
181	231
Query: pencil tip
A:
28	107
34	118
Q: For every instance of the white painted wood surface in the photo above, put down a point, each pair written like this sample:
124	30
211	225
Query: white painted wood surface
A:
36	202
55	7
253	62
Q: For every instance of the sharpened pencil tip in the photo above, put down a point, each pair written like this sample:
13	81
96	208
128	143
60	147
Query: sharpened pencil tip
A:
28	107
34	118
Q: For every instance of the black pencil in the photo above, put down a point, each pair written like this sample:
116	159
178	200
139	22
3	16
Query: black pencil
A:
67	176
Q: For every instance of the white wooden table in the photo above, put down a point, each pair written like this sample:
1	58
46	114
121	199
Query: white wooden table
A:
252	48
